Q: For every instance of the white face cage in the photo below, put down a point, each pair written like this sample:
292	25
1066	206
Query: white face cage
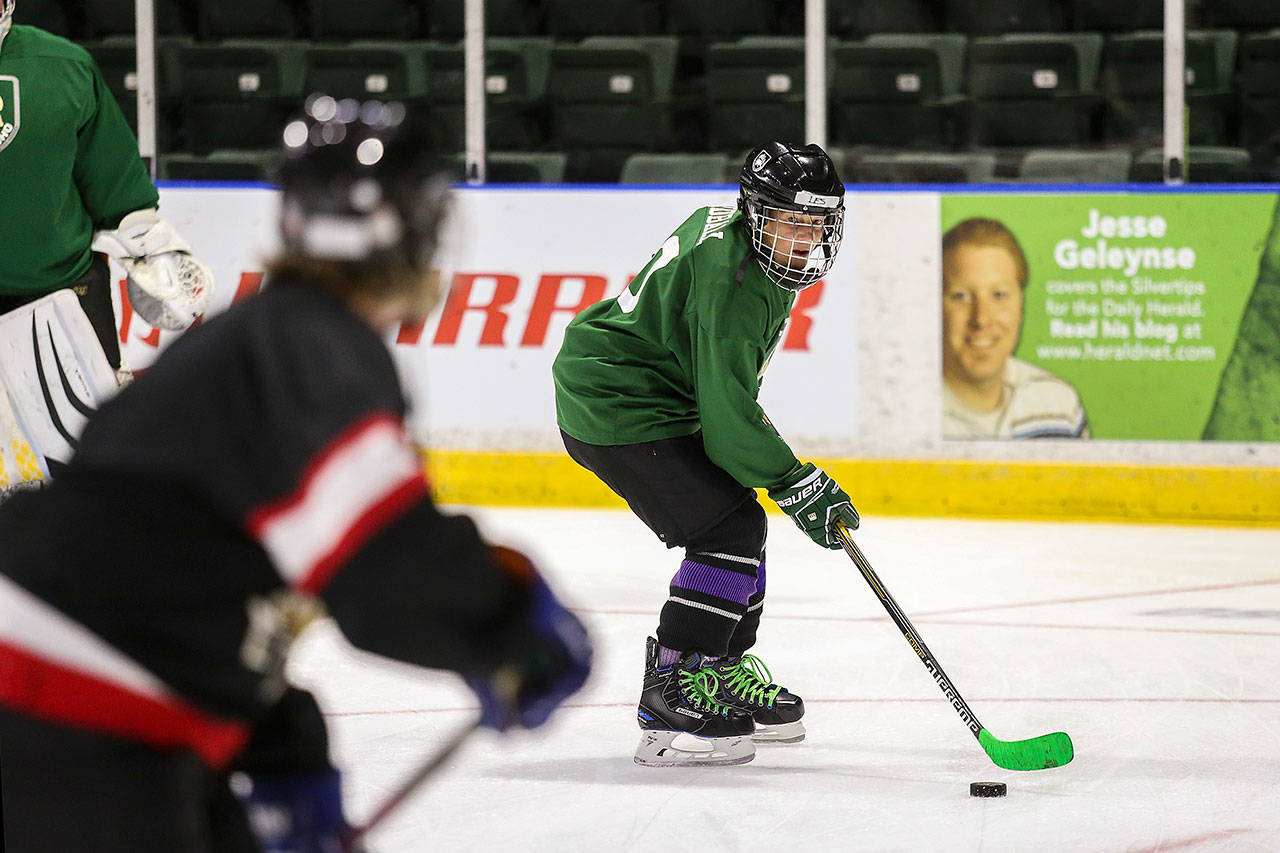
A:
6	9
795	248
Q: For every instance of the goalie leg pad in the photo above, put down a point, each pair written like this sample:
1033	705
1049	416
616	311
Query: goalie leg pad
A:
20	468
54	374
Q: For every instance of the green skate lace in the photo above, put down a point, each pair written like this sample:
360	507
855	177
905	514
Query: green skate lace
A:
751	680
700	688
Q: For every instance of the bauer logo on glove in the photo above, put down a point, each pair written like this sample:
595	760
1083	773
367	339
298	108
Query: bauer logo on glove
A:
815	503
167	286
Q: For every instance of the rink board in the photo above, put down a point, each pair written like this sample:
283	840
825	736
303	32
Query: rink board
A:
855	384
952	488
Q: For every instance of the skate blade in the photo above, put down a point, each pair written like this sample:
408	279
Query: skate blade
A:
681	749
780	733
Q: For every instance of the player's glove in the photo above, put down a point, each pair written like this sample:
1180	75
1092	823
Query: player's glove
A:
295	812
550	667
815	502
291	794
168	287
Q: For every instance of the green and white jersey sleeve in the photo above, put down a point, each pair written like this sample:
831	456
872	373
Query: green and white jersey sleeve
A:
682	349
69	160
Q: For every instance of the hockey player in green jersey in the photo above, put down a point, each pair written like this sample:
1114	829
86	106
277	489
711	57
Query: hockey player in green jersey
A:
72	173
656	395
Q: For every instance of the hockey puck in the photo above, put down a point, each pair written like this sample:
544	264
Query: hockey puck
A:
987	789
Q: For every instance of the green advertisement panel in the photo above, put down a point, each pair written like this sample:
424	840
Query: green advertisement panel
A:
1111	316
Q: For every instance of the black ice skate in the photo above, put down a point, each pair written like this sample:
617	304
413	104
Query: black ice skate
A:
683	723
745	683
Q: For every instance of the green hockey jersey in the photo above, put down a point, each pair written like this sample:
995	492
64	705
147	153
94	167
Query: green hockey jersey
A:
69	162
683	348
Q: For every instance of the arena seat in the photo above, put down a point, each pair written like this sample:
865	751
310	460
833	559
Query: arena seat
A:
1132	83
612	92
252	166
676	169
755	89
238	94
1034	90
517	167
515	82
921	167
1062	166
898	90
1259	92
1205	164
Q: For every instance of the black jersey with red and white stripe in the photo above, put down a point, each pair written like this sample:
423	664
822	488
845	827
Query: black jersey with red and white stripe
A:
262	455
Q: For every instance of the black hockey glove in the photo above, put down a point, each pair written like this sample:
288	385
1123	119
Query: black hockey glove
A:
550	668
815	502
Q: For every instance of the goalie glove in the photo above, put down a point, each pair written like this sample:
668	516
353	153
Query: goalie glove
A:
815	503
168	287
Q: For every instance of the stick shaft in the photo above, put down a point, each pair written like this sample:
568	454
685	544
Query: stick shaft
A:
908	630
408	786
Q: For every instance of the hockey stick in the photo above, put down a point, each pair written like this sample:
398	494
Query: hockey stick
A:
351	839
1037	753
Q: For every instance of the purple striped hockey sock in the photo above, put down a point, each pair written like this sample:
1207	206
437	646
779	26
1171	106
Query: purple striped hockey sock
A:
708	595
744	635
667	657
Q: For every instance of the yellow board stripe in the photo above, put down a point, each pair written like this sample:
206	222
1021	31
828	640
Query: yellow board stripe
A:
964	489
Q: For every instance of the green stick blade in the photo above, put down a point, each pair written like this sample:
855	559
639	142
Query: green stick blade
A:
1037	753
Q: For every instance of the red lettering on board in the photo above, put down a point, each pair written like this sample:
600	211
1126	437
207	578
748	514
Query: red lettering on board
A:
126	311
546	303
801	323
250	283
126	318
459	303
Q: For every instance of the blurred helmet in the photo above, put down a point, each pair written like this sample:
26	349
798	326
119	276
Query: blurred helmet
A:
793	203
358	186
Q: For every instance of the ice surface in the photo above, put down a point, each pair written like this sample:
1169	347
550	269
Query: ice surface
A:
1156	647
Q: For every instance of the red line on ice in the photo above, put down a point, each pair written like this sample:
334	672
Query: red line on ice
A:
1194	841
921	614
1107	597
1137	629
864	701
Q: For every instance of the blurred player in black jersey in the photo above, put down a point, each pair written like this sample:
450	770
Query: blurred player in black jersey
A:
256	475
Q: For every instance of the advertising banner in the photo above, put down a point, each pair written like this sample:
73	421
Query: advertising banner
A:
520	263
1109	316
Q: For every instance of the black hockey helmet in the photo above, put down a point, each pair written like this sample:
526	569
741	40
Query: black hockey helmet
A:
359	185
783	185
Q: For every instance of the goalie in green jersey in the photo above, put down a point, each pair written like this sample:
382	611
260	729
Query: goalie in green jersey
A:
73	183
656	395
